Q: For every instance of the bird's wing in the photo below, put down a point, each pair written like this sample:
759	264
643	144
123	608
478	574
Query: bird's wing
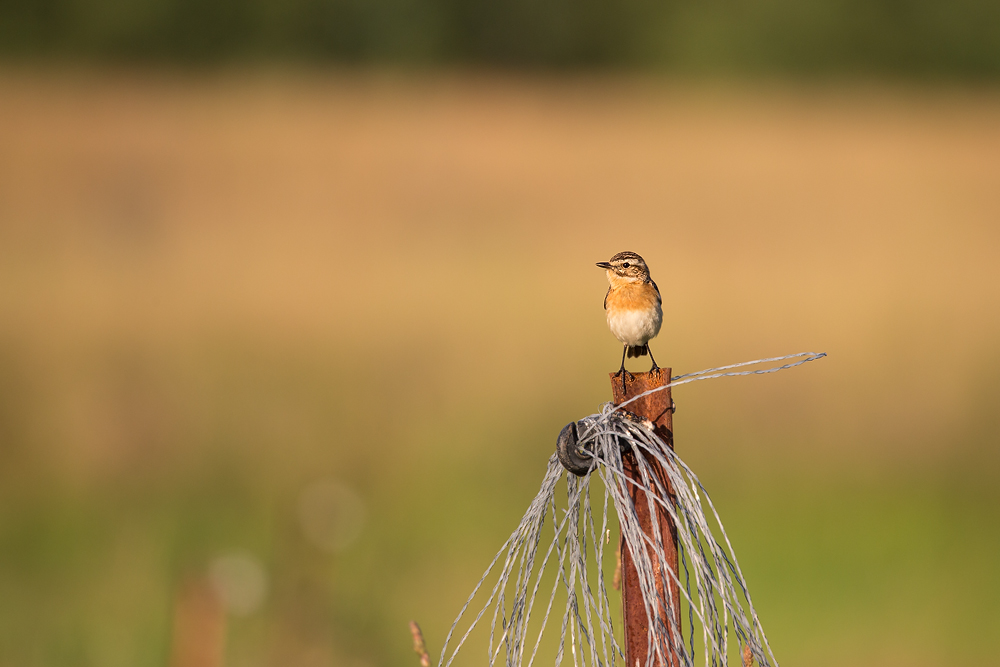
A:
606	298
655	288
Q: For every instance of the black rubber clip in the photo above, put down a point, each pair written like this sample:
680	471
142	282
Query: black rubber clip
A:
571	454
576	458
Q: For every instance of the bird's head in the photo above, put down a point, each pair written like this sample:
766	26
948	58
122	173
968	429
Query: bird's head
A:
625	267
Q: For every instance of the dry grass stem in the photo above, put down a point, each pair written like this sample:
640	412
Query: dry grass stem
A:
616	582
418	644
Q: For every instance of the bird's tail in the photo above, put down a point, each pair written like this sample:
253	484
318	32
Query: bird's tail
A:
638	351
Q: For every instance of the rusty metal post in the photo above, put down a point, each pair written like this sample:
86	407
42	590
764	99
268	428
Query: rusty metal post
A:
657	409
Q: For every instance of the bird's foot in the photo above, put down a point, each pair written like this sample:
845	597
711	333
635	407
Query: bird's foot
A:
624	374
655	369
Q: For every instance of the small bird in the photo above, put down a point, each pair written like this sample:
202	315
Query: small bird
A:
633	307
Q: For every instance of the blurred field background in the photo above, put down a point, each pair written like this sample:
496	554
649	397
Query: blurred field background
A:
285	341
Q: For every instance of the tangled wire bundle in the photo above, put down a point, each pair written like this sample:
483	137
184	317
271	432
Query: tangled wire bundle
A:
711	583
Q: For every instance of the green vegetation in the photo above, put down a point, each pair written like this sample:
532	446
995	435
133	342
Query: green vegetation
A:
844	568
889	37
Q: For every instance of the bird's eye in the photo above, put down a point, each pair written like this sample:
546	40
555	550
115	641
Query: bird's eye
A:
625	265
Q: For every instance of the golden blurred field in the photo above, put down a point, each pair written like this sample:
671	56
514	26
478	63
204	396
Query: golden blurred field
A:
220	290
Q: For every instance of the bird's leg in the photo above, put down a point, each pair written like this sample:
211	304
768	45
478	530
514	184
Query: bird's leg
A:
622	372
655	368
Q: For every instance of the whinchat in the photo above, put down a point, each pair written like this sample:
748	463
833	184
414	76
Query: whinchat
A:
633	307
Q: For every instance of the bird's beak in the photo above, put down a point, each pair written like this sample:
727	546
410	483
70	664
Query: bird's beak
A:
604	265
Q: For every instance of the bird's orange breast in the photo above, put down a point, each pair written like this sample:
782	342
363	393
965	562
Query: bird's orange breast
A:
636	296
